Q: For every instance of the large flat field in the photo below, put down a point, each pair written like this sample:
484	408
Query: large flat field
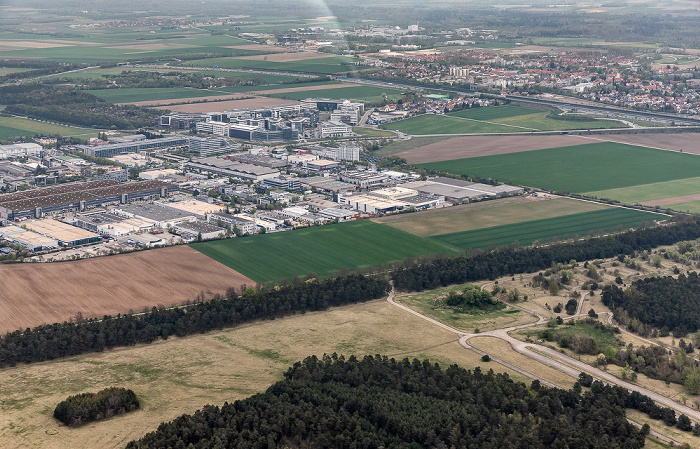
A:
38	293
131	95
360	93
223	105
562	227
181	375
494	119
476	146
652	193
319	250
16	127
329	65
579	168
486	214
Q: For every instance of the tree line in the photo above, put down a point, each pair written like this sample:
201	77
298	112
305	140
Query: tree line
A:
68	105
479	265
52	341
380	402
85	407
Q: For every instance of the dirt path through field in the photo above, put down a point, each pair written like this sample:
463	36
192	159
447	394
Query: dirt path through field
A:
36	293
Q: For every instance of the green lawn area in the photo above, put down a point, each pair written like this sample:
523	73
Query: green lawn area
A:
16	127
320	250
360	93
563	227
579	168
649	192
371	132
507	118
329	65
602	337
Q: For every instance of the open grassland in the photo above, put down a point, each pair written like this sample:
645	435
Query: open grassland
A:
687	206
99	72
484	320
361	93
494	119
493	213
182	375
329	65
681	142
651	192
563	227
318	250
17	127
36	293
502	350
603	338
371	132
400	146
663	429
10	70
579	168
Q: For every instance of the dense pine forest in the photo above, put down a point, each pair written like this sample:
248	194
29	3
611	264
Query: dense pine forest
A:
86	407
665	303
379	402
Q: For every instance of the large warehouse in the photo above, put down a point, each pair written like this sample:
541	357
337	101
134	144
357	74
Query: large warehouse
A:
80	196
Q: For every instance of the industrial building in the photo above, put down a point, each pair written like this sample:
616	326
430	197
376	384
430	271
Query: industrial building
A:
182	120
334	129
114	149
233	169
160	216
244	225
199	209
460	191
282	182
364	179
76	197
373	204
28	239
257	159
198	229
326	184
205	147
63	233
342	153
20	150
104	223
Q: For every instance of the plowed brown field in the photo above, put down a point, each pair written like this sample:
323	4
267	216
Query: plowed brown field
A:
38	293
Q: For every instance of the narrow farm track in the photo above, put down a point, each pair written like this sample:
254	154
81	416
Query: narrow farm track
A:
552	359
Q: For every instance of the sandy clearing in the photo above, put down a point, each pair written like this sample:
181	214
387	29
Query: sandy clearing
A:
286	57
475	146
673	200
226	105
37	293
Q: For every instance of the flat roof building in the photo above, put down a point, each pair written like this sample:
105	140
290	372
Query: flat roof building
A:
199	209
64	233
105	223
133	147
158	215
197	229
28	239
233	169
244	225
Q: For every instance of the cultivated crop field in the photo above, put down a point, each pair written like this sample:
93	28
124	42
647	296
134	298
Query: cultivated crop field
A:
38	293
563	227
651	193
486	214
494	119
16	127
579	168
130	95
181	375
318	250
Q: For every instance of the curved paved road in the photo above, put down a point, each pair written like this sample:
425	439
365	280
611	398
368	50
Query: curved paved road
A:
549	357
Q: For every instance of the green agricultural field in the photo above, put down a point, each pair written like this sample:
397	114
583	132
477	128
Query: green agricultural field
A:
567	226
445	124
688	206
650	192
329	65
493	119
319	250
579	168
360	93
9	70
288	85
486	214
16	127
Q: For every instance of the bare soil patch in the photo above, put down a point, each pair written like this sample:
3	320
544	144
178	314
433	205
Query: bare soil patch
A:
38	293
285	57
257	102
152	46
674	200
475	146
191	99
32	44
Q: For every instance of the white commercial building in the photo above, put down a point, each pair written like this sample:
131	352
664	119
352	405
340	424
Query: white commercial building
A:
20	150
334	129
